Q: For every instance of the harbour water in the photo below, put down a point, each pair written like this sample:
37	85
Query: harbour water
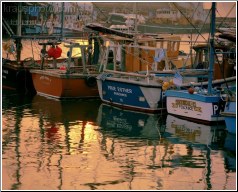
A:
86	145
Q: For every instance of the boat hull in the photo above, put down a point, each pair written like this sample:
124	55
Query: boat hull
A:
230	116
131	94
17	78
200	108
57	84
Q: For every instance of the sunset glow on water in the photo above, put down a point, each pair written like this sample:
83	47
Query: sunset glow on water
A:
84	145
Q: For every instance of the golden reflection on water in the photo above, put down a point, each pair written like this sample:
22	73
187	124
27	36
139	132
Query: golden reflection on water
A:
74	145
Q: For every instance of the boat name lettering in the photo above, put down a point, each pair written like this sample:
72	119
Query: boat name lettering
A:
217	109
120	94
45	78
119	89
188	105
124	90
5	71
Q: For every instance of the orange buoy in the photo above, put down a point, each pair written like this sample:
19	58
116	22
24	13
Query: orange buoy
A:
191	90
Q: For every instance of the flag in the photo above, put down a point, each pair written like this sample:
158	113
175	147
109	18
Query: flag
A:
178	79
160	55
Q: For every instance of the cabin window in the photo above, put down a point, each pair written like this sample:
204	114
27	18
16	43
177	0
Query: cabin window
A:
232	53
174	46
169	45
205	56
219	55
159	44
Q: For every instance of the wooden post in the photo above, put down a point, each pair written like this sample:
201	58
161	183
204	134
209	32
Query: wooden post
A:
123	58
83	58
43	51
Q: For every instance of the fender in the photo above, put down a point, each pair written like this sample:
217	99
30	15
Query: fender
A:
91	81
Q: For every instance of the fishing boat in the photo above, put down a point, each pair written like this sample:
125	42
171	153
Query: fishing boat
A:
129	89
15	75
67	80
229	113
227	37
18	58
197	103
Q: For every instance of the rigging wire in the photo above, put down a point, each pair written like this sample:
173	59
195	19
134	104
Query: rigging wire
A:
194	11
222	72
198	35
189	21
226	16
100	10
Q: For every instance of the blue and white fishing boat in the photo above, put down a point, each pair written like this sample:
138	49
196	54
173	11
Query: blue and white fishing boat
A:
229	113
199	104
131	91
132	84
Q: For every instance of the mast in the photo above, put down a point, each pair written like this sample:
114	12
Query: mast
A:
212	50
62	21
18	40
135	23
19	19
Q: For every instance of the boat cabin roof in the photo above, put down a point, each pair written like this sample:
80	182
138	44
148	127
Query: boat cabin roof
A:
206	46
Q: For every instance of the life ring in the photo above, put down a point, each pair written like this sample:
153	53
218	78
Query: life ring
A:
91	81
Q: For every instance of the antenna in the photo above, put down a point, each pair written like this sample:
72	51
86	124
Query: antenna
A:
136	30
62	21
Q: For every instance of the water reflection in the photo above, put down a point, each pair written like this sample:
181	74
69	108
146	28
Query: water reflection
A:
131	140
209	137
179	153
188	131
83	145
125	123
11	135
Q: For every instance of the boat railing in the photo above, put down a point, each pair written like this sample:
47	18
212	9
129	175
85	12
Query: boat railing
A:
126	73
89	69
131	75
